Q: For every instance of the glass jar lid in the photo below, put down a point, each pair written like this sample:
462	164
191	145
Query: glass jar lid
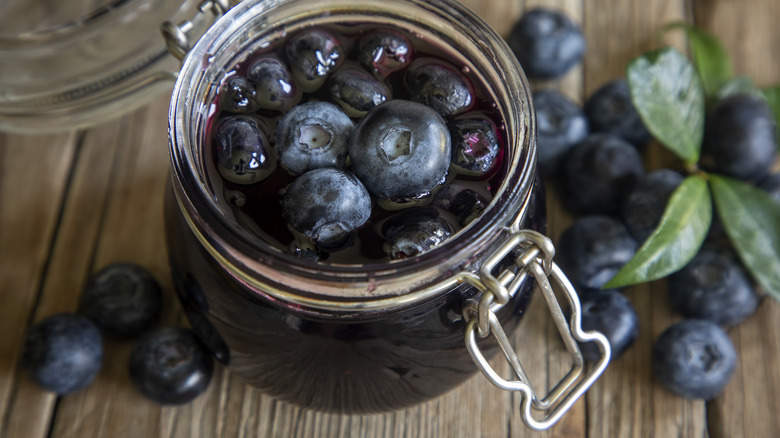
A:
73	63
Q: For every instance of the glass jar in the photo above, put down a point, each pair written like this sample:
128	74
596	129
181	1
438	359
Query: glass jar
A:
375	336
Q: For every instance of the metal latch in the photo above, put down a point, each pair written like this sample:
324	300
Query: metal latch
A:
177	36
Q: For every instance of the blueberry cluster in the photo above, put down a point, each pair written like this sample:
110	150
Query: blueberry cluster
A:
324	137
64	352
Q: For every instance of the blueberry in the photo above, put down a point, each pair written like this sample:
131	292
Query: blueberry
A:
612	314
610	110
598	174
400	149
694	359
713	287
413	232
475	145
357	91
312	55
462	202
63	353
169	366
439	85
546	43
385	52
593	249
771	185
276	90
326	205
238	95
740	138
244	155
122	298
560	124
313	135
645	204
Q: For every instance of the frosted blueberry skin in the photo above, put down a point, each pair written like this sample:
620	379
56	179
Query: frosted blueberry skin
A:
546	43
413	232
475	145
313	135
610	110
560	124
326	205
62	353
169	365
384	52
312	55
694	359
244	154
400	150
740	138
276	90
122	298
714	287
439	85
610	313
238	95
771	185
645	204
357	91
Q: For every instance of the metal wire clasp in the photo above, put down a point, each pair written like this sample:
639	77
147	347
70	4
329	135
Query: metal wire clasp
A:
533	253
177	37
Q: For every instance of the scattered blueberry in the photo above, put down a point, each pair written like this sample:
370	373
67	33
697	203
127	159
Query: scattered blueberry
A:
713	287
63	353
771	185
598	174
385	52
740	138
439	85
610	110
413	232
238	95
645	204
244	154
122	298
169	366
694	359
475	145
312	55
313	135
612	314
357	91
462	202
326	205
400	149
593	250
276	90
560	124
546	43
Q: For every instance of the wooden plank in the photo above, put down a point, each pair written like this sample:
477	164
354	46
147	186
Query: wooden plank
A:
34	172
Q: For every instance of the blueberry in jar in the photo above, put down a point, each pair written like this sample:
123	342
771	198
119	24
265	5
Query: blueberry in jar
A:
465	203
238	95
714	287
645	204
560	124
168	365
475	145
326	205
62	353
357	91
400	149
610	110
244	154
611	313
312	55
439	85
276	90
546	43
413	232
122	298
384	52
694	359
313	135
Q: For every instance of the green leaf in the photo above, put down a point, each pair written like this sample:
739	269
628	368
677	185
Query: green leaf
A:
677	238
752	220
739	85
710	57
669	97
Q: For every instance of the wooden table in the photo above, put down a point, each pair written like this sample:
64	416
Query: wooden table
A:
73	202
